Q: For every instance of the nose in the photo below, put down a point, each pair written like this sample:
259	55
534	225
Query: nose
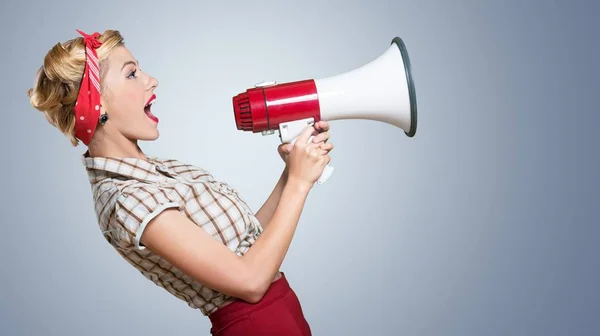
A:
152	83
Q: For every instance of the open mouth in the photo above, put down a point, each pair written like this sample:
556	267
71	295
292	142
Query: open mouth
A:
147	108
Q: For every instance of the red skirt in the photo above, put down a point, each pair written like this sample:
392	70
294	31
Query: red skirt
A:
278	313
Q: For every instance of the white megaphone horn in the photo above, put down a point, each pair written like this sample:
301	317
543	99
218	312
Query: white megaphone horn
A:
382	90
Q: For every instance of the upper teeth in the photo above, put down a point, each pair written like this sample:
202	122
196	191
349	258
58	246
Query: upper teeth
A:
151	102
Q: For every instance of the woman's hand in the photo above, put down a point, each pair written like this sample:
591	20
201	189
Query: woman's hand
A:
321	135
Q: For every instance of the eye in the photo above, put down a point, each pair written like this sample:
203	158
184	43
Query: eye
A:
132	73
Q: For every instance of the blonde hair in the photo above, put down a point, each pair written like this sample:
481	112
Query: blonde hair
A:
57	81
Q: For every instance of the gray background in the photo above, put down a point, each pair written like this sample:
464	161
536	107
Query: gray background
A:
485	223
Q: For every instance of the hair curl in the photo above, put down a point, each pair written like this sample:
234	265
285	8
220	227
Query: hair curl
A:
57	81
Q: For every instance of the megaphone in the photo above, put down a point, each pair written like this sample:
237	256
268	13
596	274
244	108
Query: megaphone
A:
382	90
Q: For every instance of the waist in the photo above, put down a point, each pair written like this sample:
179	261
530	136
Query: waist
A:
279	286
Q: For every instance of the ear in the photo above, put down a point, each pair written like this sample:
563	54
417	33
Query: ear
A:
104	95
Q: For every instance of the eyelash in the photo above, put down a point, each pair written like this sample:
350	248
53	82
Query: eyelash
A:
132	74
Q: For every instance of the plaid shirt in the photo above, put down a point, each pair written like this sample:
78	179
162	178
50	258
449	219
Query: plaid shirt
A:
129	192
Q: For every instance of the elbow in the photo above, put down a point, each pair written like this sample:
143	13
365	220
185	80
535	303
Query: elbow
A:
255	289
254	296
255	293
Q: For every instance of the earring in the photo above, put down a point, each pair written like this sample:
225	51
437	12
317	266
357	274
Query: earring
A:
103	118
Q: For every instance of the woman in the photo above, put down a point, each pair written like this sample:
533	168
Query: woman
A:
190	234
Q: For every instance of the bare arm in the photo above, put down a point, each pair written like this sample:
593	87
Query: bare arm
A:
265	213
187	247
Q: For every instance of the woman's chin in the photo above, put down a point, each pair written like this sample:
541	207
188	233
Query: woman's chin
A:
150	135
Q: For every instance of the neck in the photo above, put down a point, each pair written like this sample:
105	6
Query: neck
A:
119	147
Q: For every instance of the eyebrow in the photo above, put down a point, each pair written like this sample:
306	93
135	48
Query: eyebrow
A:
129	62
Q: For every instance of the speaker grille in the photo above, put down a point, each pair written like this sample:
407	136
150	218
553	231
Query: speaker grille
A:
243	112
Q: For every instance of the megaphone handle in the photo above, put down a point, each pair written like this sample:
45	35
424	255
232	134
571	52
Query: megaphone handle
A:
327	171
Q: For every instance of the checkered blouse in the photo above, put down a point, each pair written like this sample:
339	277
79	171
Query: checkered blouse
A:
129	192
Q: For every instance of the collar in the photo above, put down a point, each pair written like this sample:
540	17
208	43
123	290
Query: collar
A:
151	169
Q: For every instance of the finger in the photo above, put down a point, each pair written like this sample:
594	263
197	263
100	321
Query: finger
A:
322	126
322	137
321	152
312	146
303	137
327	146
287	148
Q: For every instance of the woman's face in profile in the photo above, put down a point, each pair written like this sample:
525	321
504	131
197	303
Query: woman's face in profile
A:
126	93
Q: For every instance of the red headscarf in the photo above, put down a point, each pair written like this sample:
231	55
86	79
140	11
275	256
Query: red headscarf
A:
87	107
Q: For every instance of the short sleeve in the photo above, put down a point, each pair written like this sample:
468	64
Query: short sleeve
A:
136	207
